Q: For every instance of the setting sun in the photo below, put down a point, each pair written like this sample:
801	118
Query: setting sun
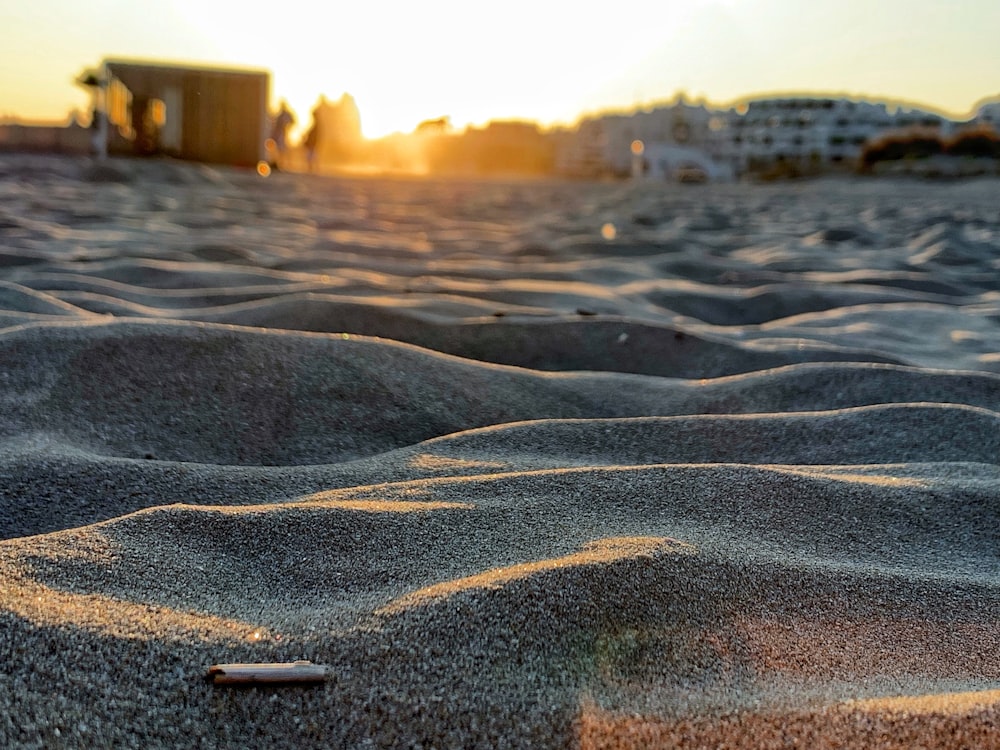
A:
545	61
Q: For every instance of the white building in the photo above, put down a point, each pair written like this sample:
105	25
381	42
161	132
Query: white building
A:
810	132
602	145
813	131
670	162
988	113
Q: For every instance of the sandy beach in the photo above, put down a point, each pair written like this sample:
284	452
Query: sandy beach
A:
523	463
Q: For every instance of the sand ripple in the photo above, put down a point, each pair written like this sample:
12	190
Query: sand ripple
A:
729	479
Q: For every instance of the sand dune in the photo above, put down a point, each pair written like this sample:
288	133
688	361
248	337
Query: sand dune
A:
727	479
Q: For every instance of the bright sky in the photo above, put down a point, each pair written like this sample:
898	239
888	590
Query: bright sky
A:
405	61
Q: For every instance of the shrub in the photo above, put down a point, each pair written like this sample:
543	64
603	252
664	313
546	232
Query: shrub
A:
917	143
980	141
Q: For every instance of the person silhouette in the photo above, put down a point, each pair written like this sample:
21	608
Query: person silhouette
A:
311	140
279	133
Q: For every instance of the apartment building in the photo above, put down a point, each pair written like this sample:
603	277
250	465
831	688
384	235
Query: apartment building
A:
988	113
812	132
602	145
822	132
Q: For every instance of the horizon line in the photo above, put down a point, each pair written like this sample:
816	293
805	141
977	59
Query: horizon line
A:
680	96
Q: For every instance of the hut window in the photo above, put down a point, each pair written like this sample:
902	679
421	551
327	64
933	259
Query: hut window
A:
158	112
119	108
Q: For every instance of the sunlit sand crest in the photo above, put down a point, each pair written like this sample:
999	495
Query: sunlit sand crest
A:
603	551
432	462
46	606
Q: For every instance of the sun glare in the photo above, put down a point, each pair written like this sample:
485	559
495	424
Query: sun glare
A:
405	63
408	63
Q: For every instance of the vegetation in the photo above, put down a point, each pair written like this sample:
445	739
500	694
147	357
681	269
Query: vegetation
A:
980	141
907	144
922	143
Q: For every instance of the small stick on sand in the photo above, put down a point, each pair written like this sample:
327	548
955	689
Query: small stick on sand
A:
297	672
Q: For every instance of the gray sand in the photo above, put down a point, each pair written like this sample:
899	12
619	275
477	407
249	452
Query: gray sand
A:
730	479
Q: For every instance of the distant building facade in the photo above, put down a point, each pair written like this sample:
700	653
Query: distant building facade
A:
822	131
810	132
60	138
213	115
988	113
502	147
602	145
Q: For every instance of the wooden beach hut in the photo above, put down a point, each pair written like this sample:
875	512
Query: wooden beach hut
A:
205	114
